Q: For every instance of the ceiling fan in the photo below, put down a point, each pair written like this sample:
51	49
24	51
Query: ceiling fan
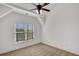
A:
40	7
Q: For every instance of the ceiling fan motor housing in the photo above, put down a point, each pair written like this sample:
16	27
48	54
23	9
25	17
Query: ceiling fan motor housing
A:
39	7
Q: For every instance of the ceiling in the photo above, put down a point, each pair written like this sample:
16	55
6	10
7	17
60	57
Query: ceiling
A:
27	7
3	9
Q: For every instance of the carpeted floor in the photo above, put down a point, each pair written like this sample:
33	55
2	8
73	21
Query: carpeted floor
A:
39	50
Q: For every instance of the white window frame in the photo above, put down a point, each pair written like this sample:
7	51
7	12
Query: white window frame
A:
22	32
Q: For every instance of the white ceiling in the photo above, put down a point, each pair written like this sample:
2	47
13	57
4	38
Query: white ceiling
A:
27	7
3	9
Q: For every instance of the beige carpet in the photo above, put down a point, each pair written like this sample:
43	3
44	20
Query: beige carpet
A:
38	50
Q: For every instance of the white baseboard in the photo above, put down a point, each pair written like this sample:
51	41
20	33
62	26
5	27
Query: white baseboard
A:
6	51
47	43
56	46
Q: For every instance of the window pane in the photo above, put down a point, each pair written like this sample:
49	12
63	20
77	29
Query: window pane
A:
20	36
30	28
30	32
19	27
29	36
25	27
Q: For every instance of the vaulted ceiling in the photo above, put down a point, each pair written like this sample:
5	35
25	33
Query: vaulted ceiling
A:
4	10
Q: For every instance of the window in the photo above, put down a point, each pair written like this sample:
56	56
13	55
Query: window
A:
24	32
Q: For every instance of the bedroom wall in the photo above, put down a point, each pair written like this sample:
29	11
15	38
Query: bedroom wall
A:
62	27
7	31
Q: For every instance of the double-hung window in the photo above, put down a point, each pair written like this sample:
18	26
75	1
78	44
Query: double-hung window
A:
24	31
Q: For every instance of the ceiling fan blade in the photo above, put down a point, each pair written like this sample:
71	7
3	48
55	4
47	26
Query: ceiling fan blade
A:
45	4
45	9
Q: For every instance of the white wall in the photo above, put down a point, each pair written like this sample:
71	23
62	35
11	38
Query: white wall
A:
7	31
62	27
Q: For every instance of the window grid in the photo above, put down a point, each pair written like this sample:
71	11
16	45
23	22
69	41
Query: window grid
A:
28	34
